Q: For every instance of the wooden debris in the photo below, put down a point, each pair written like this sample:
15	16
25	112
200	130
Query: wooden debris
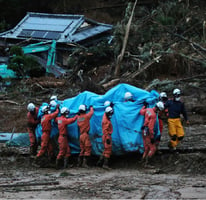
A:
52	84
30	184
111	83
9	101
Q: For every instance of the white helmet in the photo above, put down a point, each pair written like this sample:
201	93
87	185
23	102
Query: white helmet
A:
128	96
30	107
45	109
176	92
53	103
160	105
109	110
107	103
163	94
53	97
64	110
82	108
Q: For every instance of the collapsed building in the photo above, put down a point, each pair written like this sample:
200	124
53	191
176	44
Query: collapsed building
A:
54	36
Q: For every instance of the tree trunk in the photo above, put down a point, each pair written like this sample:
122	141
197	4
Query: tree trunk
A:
121	55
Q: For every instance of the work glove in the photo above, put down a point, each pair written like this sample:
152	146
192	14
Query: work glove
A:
112	104
108	141
152	140
145	104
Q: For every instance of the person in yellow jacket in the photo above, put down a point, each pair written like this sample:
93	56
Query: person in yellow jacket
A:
175	109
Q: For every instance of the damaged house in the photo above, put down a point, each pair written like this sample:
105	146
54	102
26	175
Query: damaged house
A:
53	36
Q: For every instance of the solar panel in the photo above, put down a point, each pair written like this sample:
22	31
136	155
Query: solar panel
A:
39	34
52	35
25	33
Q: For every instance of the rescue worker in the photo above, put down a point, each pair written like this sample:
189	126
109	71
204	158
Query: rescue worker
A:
54	133
46	129
83	121
163	98
107	103
128	97
32	122
161	115
175	109
150	115
64	149
53	98
107	130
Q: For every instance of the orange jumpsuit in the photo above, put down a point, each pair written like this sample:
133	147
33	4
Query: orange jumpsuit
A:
84	126
32	122
107	130
64	149
161	114
46	129
148	131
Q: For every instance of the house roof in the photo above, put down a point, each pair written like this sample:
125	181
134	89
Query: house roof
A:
60	27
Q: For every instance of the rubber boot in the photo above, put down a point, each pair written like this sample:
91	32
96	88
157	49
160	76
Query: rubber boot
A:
100	161
105	164
85	162
57	164
37	159
66	163
80	160
33	151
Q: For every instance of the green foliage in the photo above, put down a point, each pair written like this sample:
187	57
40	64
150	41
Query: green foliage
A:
148	36
25	65
17	64
166	20
33	68
16	51
94	55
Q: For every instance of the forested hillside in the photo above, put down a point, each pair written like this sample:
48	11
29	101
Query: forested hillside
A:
163	47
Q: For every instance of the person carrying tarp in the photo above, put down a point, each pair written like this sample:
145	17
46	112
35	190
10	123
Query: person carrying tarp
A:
64	149
53	98
161	115
46	129
54	130
107	130
32	121
150	115
175	109
83	121
128	97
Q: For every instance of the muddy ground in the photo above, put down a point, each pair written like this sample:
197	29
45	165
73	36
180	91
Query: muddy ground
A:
178	175
169	176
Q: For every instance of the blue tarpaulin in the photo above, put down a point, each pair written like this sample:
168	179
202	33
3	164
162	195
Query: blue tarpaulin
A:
126	121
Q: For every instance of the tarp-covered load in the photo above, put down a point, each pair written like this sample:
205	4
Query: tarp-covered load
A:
126	121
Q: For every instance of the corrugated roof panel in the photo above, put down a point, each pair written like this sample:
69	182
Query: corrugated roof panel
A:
44	27
90	32
48	23
60	27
